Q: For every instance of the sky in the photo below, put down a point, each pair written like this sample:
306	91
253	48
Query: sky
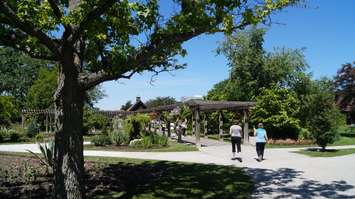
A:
325	29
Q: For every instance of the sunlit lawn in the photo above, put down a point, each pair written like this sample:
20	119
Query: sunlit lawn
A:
327	153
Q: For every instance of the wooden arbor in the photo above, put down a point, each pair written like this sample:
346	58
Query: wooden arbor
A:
198	106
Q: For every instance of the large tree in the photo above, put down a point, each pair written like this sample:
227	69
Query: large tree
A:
100	40
252	68
160	101
17	73
345	89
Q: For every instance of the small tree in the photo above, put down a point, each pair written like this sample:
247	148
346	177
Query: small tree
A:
325	130
323	117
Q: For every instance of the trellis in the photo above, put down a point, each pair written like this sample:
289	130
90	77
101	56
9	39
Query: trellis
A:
197	107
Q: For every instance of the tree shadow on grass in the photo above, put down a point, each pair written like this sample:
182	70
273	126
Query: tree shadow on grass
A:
169	180
278	184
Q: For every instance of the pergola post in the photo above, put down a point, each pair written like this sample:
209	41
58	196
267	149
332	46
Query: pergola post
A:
47	122
193	125
246	126
197	127
50	123
179	131
205	126
220	126
22	120
168	128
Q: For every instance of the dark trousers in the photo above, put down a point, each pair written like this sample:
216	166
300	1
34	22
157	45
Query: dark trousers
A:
260	147
236	141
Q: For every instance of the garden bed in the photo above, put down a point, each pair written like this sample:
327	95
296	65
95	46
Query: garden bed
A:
24	177
172	147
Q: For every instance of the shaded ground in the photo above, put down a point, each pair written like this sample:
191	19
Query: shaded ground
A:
121	178
289	183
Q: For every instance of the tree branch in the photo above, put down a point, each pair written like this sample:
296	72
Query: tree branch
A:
55	9
93	79
11	38
101	7
28	28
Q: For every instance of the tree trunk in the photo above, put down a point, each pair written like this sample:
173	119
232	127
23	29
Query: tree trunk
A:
69	160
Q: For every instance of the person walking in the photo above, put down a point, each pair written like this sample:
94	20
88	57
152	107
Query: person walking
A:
235	132
261	138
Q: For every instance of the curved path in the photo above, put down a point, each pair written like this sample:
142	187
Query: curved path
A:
283	174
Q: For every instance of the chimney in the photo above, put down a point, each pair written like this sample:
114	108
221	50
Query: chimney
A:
138	99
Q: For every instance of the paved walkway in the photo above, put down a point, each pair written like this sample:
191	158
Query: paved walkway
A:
283	174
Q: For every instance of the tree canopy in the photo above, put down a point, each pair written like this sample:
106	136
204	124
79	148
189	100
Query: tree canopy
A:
252	68
345	89
17	73
160	101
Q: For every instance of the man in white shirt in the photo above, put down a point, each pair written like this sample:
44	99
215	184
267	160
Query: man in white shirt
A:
236	137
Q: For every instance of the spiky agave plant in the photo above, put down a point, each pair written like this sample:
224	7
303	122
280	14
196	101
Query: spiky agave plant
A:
47	151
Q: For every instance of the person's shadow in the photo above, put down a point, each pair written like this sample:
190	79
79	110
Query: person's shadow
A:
238	158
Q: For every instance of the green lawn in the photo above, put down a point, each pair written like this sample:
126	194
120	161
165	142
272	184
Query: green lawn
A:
216	137
173	147
327	153
132	178
344	141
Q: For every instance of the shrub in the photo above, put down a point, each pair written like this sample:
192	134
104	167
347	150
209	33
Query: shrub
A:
154	140
32	129
39	137
14	136
147	142
277	108
119	137
93	120
304	134
134	125
101	140
117	123
136	143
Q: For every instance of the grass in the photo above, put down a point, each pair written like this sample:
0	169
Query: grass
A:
328	153
344	141
272	146
143	179
216	137
172	147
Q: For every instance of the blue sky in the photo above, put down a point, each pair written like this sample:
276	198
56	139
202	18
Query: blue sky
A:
325	29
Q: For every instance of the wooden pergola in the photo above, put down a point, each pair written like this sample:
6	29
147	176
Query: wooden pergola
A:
197	107
200	106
